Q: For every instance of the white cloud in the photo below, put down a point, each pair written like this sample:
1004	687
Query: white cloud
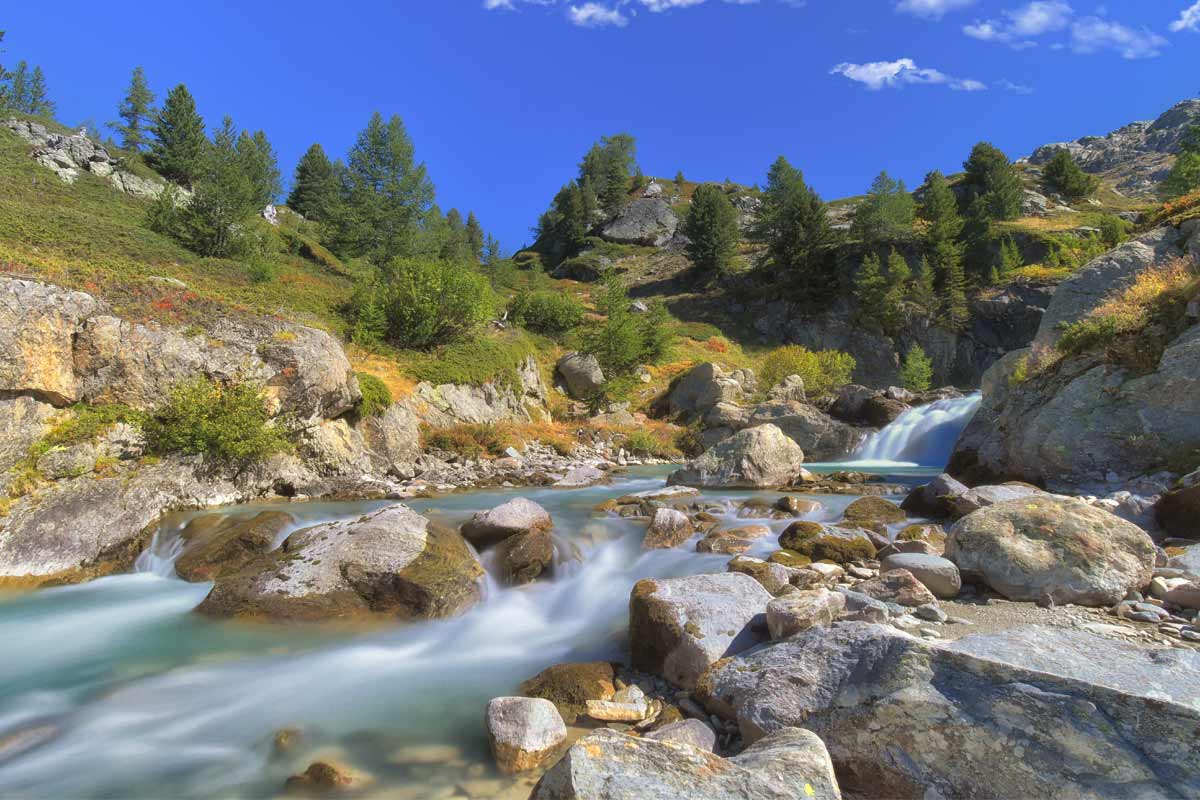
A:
1015	88
1093	34
931	9
878	75
1020	24
1189	20
595	15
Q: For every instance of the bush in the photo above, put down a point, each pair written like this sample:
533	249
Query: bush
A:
625	339
468	441
420	303
1064	176
546	312
1113	229
202	417
475	361
644	443
823	372
917	371
376	397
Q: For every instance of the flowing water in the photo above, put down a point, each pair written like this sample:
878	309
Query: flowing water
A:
115	688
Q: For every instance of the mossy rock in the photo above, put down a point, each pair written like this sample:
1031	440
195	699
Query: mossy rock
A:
870	511
789	558
570	686
933	534
799	532
839	550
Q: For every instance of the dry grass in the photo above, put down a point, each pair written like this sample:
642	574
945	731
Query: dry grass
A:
652	438
386	369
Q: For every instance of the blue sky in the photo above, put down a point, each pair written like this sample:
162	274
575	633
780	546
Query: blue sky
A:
502	97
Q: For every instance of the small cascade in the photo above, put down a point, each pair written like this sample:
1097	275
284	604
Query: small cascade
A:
920	437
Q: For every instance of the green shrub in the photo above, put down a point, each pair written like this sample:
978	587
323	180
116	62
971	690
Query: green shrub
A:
1113	229
261	270
469	440
228	423
376	397
917	371
824	372
1064	176
84	424
644	443
546	312
475	361
625	339
420	303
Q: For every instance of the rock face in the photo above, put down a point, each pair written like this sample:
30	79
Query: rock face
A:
69	156
392	562
647	221
606	765
678	627
582	375
1052	547
23	421
820	436
37	351
704	386
1034	712
451	404
1070	426
524	732
1136	157
754	458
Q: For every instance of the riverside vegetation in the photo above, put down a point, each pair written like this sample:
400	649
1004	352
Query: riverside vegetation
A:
718	497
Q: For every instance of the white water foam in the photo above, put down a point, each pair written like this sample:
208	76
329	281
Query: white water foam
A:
920	437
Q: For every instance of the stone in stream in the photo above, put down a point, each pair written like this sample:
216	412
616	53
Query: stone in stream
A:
732	541
775	578
524	732
519	515
571	686
787	616
869	512
218	544
936	498
939	575
392	562
606	765
1052	547
668	528
327	776
523	558
757	457
897	586
679	626
1032	712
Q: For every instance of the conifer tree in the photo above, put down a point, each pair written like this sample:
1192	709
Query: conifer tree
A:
179	143
1010	256
944	251
40	103
258	159
491	251
388	194
899	277
993	187
1064	176
454	247
475	238
922	292
794	224
315	187
917	371
1184	177
136	112
953	313
870	292
886	214
711	228
607	167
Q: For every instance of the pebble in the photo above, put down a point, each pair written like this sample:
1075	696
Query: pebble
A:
930	613
862	573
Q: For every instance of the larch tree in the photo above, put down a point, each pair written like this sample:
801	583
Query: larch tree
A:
475	237
315	187
794	224
136	112
179	145
711	228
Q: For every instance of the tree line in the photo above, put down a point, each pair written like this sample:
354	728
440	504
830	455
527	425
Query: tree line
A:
23	90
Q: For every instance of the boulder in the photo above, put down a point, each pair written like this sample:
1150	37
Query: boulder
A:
880	410
647	221
679	626
1185	595
700	389
754	458
524	732
580	476
936	498
390	563
849	403
788	390
984	496
1033	712
668	528
819	435
691	732
1052	547
519	515
219	544
897	586
1178	513
731	541
607	765
40	323
582	375
870	512
793	613
571	686
774	577
393	436
522	558
938	575
323	777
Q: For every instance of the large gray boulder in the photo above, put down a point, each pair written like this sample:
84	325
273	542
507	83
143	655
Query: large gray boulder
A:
606	765
390	563
1052	547
678	627
647	221
582	374
1034	712
753	458
700	389
938	575
524	732
517	516
394	436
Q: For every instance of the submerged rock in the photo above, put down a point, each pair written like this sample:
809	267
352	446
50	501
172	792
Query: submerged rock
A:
1035	712
392	562
218	544
1052	547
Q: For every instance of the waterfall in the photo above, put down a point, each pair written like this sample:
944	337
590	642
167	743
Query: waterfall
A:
920	437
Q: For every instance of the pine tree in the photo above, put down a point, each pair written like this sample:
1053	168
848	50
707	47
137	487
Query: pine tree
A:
886	214
387	193
17	95
711	228
1064	176
953	312
870	292
940	210
39	103
794	224
993	187
315	187
1010	256
922	291
179	143
261	167
491	251
607	167
136	112
917	371
455	247
944	251
899	276
475	238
